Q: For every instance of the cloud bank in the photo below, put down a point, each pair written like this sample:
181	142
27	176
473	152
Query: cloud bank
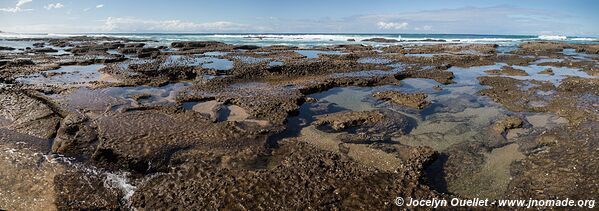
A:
392	25
140	25
54	6
18	7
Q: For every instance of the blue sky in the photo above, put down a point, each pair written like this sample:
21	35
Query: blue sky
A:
529	17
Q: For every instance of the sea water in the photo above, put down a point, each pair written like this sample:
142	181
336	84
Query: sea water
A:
306	40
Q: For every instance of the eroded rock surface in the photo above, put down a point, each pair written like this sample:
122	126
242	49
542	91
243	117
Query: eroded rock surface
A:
413	100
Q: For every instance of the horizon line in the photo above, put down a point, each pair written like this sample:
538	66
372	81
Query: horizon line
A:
305	33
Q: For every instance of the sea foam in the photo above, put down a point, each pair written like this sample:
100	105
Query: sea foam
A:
552	37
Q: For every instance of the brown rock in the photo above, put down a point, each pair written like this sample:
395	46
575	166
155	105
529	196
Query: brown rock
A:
547	71
508	123
507	70
413	100
343	120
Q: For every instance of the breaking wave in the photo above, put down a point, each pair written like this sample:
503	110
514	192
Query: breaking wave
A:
552	37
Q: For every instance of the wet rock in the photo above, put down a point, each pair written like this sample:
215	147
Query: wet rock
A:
27	178
548	140
547	71
510	59
564	163
508	123
303	68
134	45
344	120
197	44
569	99
586	66
154	72
413	100
444	48
88	49
262	101
137	140
39	44
425	40
246	47
28	115
3	48
85	190
283	185
382	40
115	45
44	50
541	48
148	52
16	63
580	85
392	125
590	49
76	137
507	70
507	92
128	50
439	75
477	170
311	100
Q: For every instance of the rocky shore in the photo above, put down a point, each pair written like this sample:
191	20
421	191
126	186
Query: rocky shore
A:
111	123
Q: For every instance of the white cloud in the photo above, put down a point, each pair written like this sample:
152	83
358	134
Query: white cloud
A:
99	6
424	28
54	6
17	7
86	9
135	24
22	2
392	25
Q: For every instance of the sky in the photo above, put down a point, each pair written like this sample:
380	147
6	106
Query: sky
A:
510	17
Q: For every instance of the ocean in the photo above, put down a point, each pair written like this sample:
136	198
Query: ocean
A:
308	40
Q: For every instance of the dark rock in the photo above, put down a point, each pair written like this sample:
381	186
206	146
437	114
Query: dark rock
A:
425	40
86	190
113	45
89	49
76	137
135	45
382	40
196	44
246	47
2	48
45	50
128	50
148	52
39	45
